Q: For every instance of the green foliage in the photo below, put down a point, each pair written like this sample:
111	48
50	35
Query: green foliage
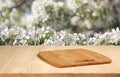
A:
47	36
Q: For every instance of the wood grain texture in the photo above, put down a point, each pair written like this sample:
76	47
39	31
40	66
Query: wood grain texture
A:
21	61
73	57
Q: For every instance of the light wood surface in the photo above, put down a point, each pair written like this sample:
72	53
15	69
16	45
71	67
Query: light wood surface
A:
21	61
73	57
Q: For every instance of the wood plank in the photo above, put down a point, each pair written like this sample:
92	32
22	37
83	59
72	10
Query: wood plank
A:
22	61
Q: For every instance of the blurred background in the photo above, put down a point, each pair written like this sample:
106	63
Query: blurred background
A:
73	16
82	16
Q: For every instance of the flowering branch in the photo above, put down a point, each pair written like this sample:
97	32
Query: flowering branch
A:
47	36
16	6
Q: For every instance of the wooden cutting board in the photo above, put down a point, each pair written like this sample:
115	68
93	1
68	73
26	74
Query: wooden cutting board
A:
73	57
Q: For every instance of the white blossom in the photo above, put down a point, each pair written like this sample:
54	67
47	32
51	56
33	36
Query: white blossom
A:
107	38
34	36
72	4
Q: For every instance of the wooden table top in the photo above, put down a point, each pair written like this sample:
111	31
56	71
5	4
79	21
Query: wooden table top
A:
20	60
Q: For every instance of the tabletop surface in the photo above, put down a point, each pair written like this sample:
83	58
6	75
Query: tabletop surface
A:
24	59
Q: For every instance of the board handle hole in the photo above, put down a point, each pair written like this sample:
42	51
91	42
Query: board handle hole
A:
85	60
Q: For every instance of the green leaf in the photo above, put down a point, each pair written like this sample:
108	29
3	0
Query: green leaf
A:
47	36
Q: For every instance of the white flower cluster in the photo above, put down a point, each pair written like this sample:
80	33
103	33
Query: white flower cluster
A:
64	38
108	38
81	13
9	16
20	36
49	37
15	13
38	9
